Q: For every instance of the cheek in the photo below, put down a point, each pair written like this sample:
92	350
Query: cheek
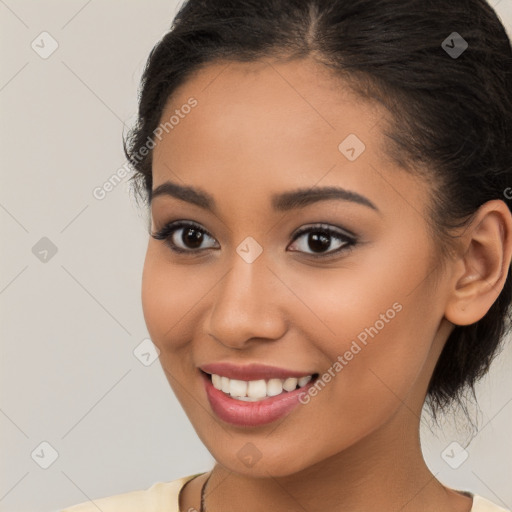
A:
170	294
374	322
170	297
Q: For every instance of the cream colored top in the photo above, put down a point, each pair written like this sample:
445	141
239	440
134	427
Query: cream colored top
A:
163	497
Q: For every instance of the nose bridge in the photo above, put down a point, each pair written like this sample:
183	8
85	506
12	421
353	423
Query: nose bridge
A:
246	304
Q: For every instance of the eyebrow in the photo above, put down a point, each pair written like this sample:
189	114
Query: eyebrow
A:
282	202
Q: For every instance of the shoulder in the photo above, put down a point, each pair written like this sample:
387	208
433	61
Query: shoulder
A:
481	504
160	497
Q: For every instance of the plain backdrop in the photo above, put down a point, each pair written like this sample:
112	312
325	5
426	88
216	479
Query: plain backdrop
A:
81	415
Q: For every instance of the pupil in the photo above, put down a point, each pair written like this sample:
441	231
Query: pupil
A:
189	239
318	241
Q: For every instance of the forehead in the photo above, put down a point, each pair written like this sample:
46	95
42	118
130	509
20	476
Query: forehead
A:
269	126
296	100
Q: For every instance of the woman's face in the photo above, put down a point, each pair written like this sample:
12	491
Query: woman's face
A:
357	305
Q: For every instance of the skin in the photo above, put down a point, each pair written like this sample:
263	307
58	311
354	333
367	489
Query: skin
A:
269	127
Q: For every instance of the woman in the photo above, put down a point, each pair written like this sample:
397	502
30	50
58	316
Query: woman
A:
330	245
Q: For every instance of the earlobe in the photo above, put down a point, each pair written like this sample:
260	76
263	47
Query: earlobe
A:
482	268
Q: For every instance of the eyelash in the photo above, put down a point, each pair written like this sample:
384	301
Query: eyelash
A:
169	229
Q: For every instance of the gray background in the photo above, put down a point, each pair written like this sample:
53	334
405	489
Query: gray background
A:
71	323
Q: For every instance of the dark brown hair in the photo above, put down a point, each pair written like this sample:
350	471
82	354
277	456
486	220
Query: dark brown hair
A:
451	114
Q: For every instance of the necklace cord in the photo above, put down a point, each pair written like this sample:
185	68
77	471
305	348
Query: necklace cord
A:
203	489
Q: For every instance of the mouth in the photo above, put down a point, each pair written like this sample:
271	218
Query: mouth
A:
254	403
258	389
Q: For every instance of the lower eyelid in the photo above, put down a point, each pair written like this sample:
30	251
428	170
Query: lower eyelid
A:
168	230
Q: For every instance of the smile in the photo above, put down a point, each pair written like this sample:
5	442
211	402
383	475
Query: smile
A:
254	403
256	390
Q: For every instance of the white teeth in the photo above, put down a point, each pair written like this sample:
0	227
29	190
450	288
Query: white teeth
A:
304	380
290	383
224	384
255	390
217	381
274	387
237	387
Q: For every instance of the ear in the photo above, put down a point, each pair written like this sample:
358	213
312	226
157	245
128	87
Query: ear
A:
481	268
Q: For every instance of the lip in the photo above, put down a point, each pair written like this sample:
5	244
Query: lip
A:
253	371
252	414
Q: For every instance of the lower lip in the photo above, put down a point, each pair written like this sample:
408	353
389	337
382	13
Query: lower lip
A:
252	414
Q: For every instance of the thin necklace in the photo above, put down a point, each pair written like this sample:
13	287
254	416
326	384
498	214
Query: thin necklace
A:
203	507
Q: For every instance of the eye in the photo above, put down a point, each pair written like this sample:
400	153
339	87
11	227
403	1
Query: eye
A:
320	240
183	236
188	237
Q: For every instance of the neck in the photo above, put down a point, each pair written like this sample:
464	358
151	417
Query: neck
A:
385	471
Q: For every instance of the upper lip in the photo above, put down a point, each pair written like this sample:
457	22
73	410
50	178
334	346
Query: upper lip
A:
253	371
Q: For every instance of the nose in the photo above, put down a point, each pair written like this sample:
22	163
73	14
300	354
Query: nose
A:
248	305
